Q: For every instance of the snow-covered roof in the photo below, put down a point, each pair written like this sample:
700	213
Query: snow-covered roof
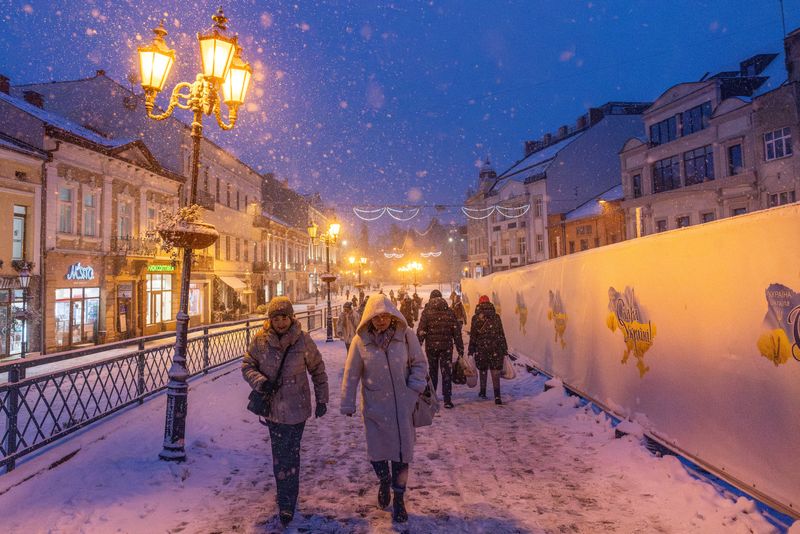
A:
18	146
593	208
65	125
537	162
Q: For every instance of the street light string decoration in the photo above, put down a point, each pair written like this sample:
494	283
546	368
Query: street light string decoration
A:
369	215
390	255
509	212
392	211
431	254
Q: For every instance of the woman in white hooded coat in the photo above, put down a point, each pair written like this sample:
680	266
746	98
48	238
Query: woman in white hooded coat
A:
386	358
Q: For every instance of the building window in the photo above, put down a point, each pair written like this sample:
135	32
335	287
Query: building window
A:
735	161
504	246
522	248
219	198
246	248
495	228
699	165
667	174
512	225
584	244
227	248
124	220
696	119
572	247
238	207
152	217
537	207
237	248
195	300
778	144
159	298
228	190
636	185
682	222
777	199
661	225
664	131
76	315
738	211
708	216
596	242
18	233
539	243
89	214
65	209
218	249
584	229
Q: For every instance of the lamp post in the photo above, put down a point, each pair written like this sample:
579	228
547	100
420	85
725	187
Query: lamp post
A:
361	262
328	239
222	70
24	278
415	267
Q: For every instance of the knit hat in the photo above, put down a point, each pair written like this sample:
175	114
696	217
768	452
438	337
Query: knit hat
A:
436	294
483	299
280	306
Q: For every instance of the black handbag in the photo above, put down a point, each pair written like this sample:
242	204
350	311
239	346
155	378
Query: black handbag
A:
260	402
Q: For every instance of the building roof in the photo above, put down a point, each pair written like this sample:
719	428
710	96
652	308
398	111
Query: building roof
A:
65	125
593	207
16	145
535	165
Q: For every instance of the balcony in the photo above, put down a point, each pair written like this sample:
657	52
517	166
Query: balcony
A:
206	200
134	246
203	262
261	267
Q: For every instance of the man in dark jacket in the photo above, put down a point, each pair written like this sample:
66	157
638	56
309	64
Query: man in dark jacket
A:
407	309
439	330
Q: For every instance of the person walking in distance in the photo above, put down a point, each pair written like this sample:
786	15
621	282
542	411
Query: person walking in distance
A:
407	310
282	348
439	330
347	323
487	343
386	359
458	308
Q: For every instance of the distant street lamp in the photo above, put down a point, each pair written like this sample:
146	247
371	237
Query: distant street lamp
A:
24	278
361	262
222	71
329	238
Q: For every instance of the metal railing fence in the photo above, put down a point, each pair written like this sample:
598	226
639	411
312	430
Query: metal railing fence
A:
39	410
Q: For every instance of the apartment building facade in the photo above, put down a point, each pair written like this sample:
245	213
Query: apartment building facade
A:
717	148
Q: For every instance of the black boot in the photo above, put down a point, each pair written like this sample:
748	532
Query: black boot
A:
383	494
399	513
482	394
286	517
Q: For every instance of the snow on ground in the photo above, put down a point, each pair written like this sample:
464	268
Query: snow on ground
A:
536	464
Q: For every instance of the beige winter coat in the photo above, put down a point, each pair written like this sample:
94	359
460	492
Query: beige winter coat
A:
391	382
291	403
346	325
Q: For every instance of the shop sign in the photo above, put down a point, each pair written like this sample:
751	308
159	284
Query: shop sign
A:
80	272
161	268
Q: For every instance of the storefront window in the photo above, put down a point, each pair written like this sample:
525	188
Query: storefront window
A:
159	298
195	300
76	314
11	338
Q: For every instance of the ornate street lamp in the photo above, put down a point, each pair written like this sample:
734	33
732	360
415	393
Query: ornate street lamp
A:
328	238
24	278
222	71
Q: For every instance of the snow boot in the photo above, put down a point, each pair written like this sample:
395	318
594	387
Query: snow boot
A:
286	517
384	498
399	513
482	394
497	400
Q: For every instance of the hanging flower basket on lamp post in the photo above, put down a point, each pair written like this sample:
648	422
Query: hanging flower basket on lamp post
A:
184	230
193	235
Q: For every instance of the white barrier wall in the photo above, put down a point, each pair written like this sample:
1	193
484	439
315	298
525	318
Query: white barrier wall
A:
693	333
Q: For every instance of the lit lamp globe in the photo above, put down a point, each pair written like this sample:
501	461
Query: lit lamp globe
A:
155	61
216	49
234	88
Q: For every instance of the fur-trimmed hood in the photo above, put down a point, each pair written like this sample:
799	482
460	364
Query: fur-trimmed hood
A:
376	305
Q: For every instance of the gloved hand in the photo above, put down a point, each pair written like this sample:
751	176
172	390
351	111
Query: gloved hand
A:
266	386
321	409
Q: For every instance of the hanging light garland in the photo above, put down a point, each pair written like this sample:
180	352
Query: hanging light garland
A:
518	211
391	255
512	212
369	215
392	211
431	254
409	213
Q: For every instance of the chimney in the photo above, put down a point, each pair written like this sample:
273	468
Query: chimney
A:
581	123
562	132
33	98
531	147
5	84
99	72
595	116
791	44
546	139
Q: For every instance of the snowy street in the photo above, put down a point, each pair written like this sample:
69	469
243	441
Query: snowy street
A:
535	464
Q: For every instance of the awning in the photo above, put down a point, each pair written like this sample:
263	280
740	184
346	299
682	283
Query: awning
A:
233	282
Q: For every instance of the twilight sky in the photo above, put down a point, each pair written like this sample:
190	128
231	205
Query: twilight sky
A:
379	103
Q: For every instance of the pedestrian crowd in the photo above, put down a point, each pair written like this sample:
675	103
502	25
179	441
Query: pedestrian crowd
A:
398	381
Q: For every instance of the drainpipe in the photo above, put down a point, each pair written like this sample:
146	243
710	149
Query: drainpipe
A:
43	256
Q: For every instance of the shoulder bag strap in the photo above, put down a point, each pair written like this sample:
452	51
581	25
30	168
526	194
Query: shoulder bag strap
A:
280	367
